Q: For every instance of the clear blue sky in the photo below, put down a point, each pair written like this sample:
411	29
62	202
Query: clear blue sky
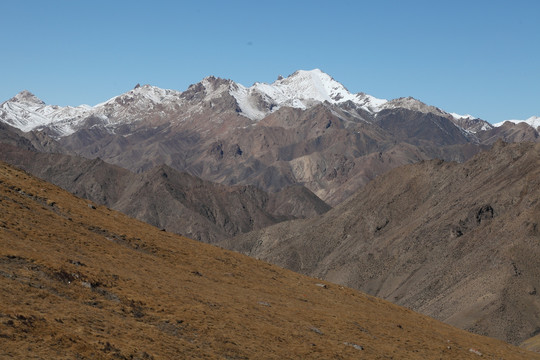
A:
477	57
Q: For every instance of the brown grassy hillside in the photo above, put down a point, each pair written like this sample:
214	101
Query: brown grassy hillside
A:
79	282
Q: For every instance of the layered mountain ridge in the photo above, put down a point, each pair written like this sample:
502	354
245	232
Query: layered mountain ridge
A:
533	121
302	89
305	129
167	198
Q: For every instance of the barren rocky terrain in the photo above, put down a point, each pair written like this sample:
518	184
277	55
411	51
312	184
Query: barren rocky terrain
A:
167	198
82	281
459	242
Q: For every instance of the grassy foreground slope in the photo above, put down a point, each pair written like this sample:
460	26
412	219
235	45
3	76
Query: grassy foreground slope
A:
80	281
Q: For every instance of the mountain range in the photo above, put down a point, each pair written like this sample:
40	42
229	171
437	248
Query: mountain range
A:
305	129
432	210
302	90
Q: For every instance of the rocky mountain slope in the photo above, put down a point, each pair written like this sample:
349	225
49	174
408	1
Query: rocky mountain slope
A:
167	198
511	132
458	242
81	281
33	140
533	121
301	90
305	129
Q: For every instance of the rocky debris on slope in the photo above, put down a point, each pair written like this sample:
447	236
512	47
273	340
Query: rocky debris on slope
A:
533	343
454	241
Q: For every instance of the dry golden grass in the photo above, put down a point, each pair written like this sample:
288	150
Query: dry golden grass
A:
84	283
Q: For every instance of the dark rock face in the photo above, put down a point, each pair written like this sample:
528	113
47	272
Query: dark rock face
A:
33	140
455	241
417	128
12	136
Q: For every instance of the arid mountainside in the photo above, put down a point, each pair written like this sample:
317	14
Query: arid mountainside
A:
459	242
167	198
306	129
330	150
82	281
32	140
510	132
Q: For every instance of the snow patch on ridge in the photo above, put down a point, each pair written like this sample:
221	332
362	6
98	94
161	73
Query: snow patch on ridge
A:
413	104
142	96
27	112
533	121
247	102
462	117
300	90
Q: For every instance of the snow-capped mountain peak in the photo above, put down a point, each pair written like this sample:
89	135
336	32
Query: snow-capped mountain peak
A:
463	117
25	111
215	87
26	97
301	89
313	85
142	96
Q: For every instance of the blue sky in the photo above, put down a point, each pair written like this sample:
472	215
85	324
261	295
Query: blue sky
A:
477	57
